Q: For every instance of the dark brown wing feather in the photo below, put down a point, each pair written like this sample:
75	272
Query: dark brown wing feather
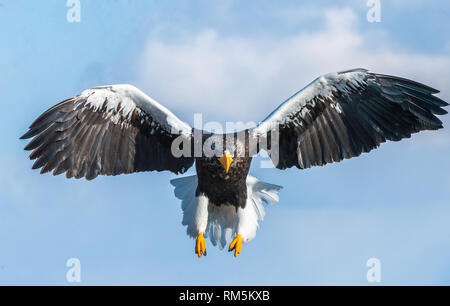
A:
357	117
81	142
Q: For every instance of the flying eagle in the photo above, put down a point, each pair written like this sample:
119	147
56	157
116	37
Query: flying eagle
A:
118	129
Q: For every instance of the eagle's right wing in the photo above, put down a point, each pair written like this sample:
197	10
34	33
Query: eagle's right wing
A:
107	130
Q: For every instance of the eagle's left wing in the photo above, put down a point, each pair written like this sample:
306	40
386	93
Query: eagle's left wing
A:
107	130
340	115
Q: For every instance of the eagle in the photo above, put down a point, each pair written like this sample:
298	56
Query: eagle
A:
118	129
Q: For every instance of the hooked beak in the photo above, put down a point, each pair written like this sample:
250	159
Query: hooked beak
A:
226	161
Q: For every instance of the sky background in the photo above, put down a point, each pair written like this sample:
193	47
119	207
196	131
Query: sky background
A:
230	61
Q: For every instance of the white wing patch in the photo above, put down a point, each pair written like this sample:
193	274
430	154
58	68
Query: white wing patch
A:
322	88
121	101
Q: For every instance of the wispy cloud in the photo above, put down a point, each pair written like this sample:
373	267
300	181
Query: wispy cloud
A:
236	77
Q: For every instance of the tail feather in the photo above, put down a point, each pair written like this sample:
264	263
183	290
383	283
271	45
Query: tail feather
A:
185	188
267	192
223	220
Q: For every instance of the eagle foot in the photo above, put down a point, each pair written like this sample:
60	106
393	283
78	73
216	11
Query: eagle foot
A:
200	245
236	245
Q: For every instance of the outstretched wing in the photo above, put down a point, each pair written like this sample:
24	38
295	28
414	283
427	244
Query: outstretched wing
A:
341	115
107	131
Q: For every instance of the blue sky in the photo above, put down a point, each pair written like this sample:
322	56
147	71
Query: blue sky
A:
230	60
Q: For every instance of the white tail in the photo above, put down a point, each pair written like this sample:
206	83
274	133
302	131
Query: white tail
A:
224	221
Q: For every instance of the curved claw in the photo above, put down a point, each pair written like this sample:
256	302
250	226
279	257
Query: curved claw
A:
200	245
236	245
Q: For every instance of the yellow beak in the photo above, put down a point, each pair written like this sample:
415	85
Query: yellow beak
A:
226	161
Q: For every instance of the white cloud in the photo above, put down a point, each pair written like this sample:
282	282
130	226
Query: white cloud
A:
245	78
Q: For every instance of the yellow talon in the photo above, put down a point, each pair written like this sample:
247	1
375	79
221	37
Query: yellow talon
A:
200	245
236	244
